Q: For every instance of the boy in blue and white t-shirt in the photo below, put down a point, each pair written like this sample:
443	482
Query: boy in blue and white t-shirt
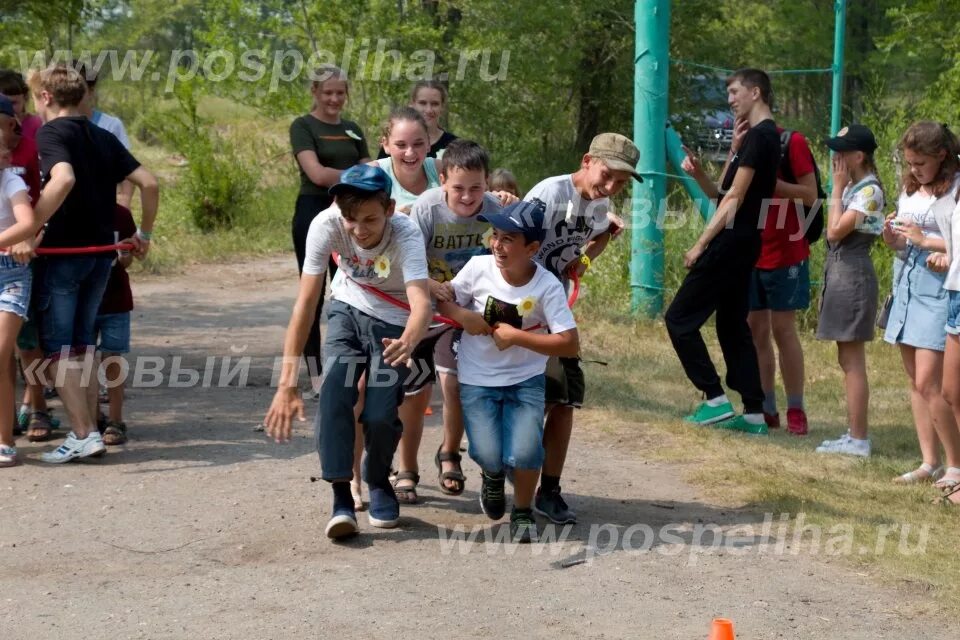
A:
364	335
506	303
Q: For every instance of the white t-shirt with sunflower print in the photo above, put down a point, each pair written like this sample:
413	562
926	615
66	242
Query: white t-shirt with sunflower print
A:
480	287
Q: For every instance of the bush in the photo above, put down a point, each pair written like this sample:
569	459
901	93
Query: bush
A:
220	182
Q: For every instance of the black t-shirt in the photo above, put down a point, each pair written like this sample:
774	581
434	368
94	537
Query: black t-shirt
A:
99	164
445	139
338	146
761	152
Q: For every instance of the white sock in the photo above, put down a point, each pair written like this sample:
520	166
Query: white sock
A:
719	400
753	418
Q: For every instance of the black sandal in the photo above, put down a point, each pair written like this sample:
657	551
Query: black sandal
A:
406	495
443	477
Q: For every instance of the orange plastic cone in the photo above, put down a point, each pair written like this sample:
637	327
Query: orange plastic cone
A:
722	629
429	411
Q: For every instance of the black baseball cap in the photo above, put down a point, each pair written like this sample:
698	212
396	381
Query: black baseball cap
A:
520	217
856	137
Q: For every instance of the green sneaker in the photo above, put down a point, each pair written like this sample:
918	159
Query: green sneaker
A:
705	414
739	423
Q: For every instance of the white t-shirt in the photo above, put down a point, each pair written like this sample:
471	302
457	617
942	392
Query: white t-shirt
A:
399	258
571	221
948	219
480	287
10	184
450	240
918	208
113	125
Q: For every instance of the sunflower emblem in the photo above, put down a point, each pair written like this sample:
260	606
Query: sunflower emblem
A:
381	266
526	306
487	237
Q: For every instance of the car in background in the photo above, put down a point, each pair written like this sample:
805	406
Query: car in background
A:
702	115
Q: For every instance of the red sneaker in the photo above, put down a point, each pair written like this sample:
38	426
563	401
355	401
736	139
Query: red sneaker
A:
772	420
797	422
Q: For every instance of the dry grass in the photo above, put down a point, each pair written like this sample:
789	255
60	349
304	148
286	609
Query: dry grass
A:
643	393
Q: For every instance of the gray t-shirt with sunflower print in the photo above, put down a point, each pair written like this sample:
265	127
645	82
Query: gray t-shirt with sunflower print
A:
397	259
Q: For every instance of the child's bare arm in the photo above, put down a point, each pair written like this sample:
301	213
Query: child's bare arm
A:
471	321
287	403
565	344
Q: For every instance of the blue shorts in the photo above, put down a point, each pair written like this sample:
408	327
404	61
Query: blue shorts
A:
783	289
114	332
953	313
69	291
15	282
505	424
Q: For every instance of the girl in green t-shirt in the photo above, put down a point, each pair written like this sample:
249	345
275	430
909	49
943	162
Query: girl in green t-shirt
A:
324	144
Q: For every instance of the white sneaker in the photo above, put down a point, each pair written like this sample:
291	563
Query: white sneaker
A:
74	448
846	445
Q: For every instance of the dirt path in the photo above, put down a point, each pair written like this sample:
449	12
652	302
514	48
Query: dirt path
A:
201	528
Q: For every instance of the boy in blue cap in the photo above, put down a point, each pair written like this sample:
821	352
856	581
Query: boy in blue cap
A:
507	302
364	333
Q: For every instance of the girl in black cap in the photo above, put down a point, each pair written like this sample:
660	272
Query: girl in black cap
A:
848	300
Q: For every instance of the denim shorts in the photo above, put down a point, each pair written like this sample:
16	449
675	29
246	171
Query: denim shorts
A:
781	289
953	313
15	282
114	332
69	292
505	424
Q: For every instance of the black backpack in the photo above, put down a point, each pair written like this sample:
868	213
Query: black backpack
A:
815	230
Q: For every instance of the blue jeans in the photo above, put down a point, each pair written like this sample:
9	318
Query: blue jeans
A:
354	346
69	290
505	424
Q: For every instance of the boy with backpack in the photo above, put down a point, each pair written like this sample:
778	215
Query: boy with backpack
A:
780	282
721	264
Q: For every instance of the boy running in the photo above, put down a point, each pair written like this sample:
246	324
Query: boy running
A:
364	333
501	365
578	228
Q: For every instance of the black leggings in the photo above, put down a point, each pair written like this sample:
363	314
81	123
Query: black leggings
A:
308	206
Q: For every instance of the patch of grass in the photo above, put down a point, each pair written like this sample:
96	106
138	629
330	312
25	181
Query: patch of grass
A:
641	394
262	226
262	229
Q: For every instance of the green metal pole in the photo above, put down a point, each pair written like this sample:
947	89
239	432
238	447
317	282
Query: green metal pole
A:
676	154
839	42
651	69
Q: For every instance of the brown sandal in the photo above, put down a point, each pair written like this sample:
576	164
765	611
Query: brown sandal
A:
115	433
443	477
40	428
406	495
